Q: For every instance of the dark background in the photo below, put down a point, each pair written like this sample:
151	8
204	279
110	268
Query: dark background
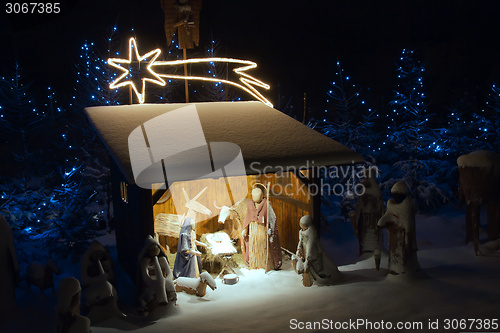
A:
295	43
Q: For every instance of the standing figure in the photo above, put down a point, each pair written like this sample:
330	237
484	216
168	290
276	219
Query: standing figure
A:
310	260
364	218
399	219
69	319
9	268
187	259
183	16
257	230
155	277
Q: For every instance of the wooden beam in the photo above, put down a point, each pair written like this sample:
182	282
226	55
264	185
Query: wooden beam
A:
158	194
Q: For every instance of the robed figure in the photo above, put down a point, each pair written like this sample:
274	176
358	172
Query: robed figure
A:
260	227
311	260
187	259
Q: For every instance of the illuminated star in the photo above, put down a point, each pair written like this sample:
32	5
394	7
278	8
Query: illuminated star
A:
148	58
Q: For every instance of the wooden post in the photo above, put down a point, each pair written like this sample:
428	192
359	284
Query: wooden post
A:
130	94
186	85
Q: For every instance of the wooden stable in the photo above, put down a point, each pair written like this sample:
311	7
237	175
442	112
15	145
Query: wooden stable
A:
289	207
273	146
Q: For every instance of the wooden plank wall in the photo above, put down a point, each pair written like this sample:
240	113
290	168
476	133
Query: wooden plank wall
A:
289	199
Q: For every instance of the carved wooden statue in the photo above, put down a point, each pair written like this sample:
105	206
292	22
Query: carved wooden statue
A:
311	260
195	286
399	219
156	278
479	174
183	15
250	221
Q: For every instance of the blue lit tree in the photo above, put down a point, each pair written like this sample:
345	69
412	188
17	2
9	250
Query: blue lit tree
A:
213	91
93	75
409	135
174	90
463	132
408	117
54	212
20	116
489	126
347	118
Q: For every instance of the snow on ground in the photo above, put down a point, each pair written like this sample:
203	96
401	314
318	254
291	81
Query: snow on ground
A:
453	284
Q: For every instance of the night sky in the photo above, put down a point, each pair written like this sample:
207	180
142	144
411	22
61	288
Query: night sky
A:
295	43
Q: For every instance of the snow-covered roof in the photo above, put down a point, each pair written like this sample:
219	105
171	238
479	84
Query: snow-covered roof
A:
265	135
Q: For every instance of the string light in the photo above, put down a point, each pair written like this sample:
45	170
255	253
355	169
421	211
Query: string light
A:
248	82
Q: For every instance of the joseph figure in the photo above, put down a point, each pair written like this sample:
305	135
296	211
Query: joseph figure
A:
257	229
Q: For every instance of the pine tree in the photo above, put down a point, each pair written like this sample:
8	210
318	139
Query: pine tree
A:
20	116
489	127
347	118
214	91
408	131
409	135
93	75
462	133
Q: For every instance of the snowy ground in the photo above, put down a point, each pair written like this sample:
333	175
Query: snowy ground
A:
453	284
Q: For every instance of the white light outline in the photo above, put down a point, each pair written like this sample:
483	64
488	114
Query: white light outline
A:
249	82
115	62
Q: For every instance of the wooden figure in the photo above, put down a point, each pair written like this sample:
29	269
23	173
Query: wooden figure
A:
311	260
399	219
256	224
183	16
157	285
187	259
197	286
